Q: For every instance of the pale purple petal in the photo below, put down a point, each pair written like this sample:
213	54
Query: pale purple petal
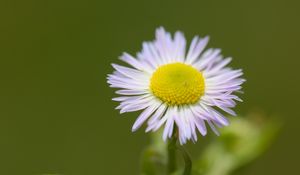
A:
144	116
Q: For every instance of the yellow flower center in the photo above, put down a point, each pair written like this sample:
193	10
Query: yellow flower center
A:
177	84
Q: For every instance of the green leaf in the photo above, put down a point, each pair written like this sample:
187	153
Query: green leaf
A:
239	144
154	158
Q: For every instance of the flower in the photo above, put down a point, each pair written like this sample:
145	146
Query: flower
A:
175	88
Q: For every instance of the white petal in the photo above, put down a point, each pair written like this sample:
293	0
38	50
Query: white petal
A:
157	115
132	73
212	126
144	116
196	48
191	49
124	98
155	54
199	123
225	76
164	118
187	115
134	104
162	44
216	115
168	128
207	58
218	66
114	79
131	61
180	44
131	92
147	61
135	107
155	118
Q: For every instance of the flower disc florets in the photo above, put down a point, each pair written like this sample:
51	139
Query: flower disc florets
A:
177	84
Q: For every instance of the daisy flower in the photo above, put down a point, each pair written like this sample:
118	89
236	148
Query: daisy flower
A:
177	87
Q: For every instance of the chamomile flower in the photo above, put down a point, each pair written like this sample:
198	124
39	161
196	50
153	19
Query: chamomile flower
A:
176	86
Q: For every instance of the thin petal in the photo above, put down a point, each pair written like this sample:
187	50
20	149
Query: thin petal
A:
196	49
144	116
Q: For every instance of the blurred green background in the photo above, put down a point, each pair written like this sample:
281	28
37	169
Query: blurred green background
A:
56	116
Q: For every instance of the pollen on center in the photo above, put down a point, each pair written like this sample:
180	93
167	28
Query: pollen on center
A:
177	84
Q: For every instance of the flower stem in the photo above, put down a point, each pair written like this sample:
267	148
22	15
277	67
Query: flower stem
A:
187	161
172	154
172	147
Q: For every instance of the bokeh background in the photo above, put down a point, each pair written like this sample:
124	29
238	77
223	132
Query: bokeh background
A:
56	116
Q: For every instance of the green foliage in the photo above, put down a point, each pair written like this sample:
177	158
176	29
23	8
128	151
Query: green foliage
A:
154	159
239	144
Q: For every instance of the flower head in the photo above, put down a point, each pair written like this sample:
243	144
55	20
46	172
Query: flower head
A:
175	88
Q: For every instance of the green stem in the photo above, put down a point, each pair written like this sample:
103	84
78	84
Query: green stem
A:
172	154
187	161
172	147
